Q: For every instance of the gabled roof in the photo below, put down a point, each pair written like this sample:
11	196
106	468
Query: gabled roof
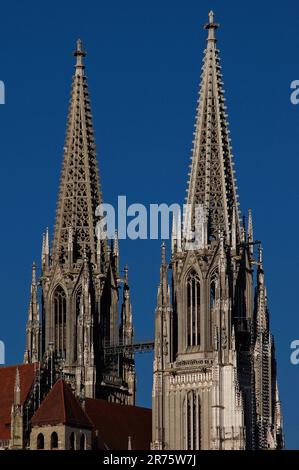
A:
115	423
61	406
7	383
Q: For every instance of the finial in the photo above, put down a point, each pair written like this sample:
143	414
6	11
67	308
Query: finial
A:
260	255
211	26
33	273
79	54
115	244
45	250
249	221
43	246
126	273
47	247
250	232
163	254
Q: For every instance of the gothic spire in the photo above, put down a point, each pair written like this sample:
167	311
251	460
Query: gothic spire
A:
163	254
33	306
163	288
33	324
216	308
211	182
262	320
79	193
126	327
45	250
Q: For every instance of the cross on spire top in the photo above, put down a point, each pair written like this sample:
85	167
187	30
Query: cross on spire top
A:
211	26
79	54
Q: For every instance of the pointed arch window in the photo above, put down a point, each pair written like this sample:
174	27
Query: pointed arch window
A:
60	321
192	420
193	309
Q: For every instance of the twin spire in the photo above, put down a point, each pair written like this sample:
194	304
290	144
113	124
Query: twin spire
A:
211	183
79	54
211	180
79	193
33	314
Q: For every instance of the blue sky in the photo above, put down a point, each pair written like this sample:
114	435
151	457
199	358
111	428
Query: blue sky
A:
143	67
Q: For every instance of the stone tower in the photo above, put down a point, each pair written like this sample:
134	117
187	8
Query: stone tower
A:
214	367
80	278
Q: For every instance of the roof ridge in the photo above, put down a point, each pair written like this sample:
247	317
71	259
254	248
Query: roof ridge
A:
118	404
16	365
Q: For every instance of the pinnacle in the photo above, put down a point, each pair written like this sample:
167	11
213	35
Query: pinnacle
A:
163	253
33	272
211	26
79	54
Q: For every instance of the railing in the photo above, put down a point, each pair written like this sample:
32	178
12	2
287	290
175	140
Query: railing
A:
120	348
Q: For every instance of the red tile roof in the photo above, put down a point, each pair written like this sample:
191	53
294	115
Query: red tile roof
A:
115	423
61	406
7	383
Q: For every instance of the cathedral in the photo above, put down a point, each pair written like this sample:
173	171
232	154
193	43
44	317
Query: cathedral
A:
214	373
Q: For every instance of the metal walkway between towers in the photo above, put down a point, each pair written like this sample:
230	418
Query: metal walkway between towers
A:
137	347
